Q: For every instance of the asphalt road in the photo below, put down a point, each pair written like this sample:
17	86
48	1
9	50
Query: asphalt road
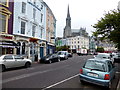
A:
63	74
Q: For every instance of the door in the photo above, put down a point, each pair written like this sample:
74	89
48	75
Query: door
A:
9	62
19	61
41	52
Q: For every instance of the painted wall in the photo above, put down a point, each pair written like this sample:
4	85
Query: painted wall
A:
28	18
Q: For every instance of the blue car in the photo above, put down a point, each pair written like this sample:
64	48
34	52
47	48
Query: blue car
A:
100	72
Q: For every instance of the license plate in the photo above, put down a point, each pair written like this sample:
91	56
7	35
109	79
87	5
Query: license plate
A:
92	74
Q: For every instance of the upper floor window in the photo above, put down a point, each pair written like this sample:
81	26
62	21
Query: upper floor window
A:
41	35
23	27
41	17
34	13
3	22
33	30
34	2
4	2
23	7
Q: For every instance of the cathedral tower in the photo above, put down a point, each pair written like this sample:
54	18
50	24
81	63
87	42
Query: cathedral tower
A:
67	29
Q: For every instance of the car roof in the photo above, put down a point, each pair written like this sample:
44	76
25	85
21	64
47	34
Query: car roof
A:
99	59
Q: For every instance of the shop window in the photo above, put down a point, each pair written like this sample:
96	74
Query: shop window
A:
18	48
23	48
3	23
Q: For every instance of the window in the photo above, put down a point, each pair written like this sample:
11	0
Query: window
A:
41	17
4	2
8	57
33	30
3	23
34	2
23	27
41	32
34	13
23	7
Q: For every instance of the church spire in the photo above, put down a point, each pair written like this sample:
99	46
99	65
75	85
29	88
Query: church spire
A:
68	13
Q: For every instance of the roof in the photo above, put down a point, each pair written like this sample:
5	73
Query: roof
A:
99	59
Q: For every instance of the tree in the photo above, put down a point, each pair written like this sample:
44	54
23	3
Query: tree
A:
108	27
100	49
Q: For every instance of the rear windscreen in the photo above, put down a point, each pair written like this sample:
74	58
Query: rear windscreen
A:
95	65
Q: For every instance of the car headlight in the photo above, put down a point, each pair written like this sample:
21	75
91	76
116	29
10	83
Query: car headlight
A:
47	58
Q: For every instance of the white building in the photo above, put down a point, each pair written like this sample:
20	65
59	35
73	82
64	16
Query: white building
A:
29	27
78	42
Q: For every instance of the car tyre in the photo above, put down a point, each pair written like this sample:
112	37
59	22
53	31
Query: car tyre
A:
3	68
50	61
58	59
82	82
27	64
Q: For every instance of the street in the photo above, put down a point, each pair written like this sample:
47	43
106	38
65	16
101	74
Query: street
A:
63	74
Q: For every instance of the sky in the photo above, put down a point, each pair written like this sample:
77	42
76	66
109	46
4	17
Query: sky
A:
84	13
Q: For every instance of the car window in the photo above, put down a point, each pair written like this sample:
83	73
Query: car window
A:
18	57
8	57
95	65
110	66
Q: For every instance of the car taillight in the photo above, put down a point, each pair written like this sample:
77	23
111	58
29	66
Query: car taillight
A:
81	71
107	77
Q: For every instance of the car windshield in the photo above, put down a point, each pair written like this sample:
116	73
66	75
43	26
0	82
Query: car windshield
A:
95	65
48	56
102	56
60	53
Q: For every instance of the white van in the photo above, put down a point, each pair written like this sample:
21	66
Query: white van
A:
63	54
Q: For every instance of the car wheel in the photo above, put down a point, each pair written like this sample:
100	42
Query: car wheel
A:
28	64
3	68
50	61
58	59
82	82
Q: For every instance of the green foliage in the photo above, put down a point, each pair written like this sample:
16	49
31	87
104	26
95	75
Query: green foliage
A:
100	49
63	48
109	27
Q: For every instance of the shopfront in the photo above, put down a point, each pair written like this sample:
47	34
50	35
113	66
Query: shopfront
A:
7	45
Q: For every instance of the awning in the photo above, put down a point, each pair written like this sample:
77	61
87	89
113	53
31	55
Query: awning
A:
8	44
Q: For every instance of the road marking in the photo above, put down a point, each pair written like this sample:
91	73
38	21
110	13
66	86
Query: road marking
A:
117	72
118	86
30	74
61	82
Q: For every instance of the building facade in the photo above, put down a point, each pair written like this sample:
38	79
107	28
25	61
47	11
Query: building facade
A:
50	30
78	42
7	44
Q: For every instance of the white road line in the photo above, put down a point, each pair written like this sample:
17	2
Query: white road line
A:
60	82
117	72
118	86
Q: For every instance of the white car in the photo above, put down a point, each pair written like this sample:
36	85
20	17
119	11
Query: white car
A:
104	56
63	54
11	61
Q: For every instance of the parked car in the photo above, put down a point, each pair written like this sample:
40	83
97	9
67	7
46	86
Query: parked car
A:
50	58
70	54
63	54
117	58
103	56
96	71
11	61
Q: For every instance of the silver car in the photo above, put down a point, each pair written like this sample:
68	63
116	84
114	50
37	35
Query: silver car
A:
11	61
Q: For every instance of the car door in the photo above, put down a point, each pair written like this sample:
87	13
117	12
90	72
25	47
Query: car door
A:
111	69
19	61
9	61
